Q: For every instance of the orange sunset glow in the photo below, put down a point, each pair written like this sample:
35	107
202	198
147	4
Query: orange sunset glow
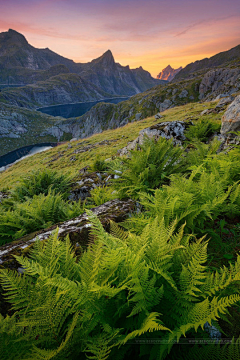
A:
151	34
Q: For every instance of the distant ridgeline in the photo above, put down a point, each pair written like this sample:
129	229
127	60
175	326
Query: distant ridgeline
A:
14	155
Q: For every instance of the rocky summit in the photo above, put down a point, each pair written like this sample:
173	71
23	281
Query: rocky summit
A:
168	73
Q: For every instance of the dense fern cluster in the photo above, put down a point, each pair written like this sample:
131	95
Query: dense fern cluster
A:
150	167
36	202
202	130
39	182
133	293
124	289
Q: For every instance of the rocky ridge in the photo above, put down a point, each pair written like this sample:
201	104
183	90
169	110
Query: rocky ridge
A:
168	73
22	63
223	59
60	89
216	84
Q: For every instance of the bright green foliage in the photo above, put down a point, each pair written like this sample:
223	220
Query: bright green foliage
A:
39	182
34	214
99	164
150	167
202	196
102	194
202	130
224	164
200	152
124	286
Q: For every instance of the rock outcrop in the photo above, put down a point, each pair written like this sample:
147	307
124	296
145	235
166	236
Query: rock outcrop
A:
21	127
89	181
168	73
168	130
220	81
231	118
77	229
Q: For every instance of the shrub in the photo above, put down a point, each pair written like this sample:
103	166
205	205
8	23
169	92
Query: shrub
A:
150	167
39	182
99	165
202	130
34	214
124	287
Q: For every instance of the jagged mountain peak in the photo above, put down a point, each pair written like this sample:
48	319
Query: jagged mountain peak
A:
13	37
168	73
105	59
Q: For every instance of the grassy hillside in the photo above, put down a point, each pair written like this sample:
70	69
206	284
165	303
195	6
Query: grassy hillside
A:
59	158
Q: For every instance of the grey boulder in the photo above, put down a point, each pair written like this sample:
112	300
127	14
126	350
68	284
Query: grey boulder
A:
231	118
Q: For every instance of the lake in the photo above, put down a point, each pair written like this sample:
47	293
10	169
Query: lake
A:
20	154
76	109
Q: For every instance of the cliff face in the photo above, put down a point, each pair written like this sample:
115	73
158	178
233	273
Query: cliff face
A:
59	89
168	73
21	127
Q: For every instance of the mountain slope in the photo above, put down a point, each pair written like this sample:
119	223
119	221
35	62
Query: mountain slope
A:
15	51
222	59
21	127
59	89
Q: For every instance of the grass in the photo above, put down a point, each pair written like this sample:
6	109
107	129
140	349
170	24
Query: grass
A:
58	158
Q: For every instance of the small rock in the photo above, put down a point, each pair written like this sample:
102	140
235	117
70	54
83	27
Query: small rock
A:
73	139
183	94
138	116
204	112
224	101
158	116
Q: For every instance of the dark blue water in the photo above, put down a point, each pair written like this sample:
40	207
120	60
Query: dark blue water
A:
15	155
77	109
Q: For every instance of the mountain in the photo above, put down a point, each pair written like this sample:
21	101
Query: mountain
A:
21	63
222	59
15	51
60	89
168	73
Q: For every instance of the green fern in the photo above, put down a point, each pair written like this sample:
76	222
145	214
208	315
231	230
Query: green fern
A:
125	286
37	213
150	167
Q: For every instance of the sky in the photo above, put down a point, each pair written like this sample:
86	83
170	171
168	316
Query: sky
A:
147	33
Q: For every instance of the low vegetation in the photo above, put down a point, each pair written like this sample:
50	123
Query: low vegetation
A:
166	273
